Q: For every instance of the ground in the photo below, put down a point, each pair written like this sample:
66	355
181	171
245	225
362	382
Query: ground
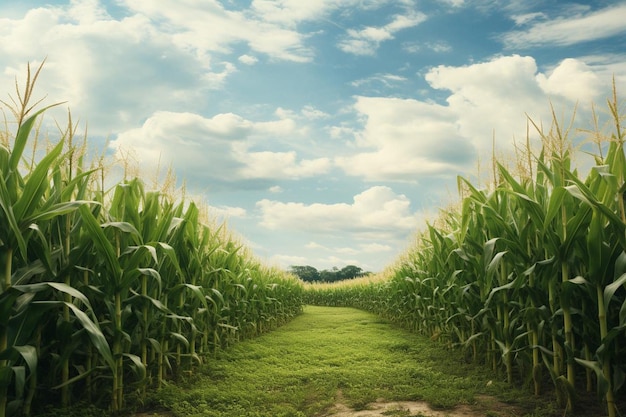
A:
422	409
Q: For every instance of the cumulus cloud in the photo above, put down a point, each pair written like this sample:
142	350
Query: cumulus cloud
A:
580	26
377	211
574	80
218	148
109	88
405	139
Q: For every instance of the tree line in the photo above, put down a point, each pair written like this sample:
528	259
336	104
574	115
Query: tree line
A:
308	273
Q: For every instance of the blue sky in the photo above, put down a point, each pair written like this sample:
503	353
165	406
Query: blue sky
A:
326	132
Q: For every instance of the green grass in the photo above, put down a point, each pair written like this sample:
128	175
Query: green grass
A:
303	367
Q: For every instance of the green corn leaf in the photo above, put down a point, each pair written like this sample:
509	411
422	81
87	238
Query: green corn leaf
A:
75	379
124	227
609	291
554	206
137	366
104	247
602	384
8	213
180	338
95	334
21	138
6	376
35	186
29	354
20	380
58	209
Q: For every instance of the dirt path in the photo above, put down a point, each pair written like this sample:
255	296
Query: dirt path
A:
383	408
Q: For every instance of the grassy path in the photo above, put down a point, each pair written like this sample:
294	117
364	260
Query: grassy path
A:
328	356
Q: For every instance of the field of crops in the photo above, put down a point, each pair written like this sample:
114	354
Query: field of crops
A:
528	274
106	293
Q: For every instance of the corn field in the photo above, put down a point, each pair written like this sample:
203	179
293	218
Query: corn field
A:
528	275
106	293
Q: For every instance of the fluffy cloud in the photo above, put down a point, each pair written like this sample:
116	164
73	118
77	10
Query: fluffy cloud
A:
574	80
582	26
403	139
376	212
217	148
108	87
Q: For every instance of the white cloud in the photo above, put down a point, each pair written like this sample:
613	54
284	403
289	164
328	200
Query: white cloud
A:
281	165
388	80
439	47
582	26
404	139
218	148
108	88
248	59
414	47
292	12
522	19
285	261
453	3
495	96
375	248
377	211
207	26
574	80
227	212
359	249
275	189
312	113
367	40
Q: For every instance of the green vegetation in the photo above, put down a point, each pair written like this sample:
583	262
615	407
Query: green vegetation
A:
311	274
527	275
328	356
108	293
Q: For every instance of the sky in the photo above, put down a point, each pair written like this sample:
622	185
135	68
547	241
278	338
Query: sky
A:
324	132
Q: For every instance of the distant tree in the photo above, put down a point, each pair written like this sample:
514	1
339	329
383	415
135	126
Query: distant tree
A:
327	276
350	272
306	273
310	274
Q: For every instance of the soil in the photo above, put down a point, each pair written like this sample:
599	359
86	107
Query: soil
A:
484	404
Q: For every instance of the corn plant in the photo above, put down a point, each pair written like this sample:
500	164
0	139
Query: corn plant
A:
106	292
518	270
